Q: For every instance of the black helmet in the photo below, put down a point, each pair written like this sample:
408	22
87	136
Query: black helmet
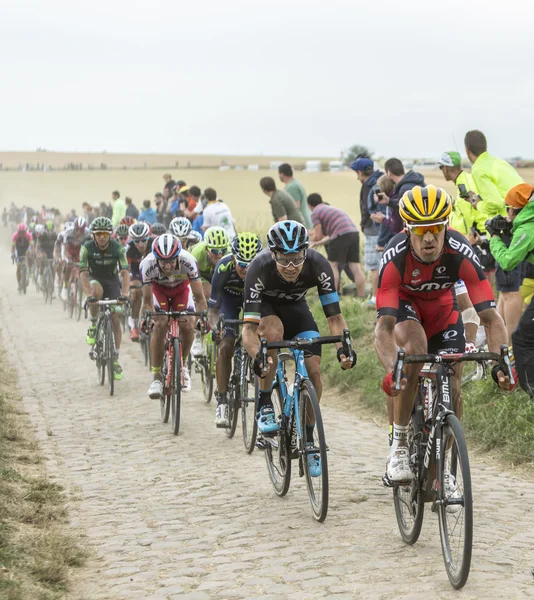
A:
287	237
158	229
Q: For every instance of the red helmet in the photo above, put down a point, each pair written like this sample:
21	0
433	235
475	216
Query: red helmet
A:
80	224
22	227
129	221
166	246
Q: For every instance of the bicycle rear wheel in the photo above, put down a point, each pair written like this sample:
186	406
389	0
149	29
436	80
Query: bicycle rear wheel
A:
176	385
409	501
233	410
165	400
100	349
72	298
110	356
313	451
249	392
455	510
278	452
79	299
23	277
206	378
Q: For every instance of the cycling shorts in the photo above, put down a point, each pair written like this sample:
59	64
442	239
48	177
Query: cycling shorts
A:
173	299
111	286
440	319
296	318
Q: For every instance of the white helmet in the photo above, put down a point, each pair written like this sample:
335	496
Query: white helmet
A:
139	231
69	225
39	228
180	227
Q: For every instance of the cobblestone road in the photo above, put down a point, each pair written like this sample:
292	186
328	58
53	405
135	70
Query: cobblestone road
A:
195	517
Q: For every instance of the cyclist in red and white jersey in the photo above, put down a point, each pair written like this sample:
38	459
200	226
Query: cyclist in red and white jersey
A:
417	308
171	282
73	240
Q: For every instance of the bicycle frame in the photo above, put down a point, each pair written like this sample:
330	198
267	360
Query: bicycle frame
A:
291	403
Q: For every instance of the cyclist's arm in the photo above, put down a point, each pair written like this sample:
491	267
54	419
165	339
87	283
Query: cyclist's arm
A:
253	292
214	302
84	271
198	295
124	274
148	298
337	324
385	344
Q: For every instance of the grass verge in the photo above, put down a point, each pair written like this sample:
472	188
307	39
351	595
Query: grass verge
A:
36	553
493	420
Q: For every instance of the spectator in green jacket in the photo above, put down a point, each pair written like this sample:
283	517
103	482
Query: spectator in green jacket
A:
119	208
520	209
296	190
494	177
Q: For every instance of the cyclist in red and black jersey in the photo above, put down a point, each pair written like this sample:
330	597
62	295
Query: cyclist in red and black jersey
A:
139	246
417	309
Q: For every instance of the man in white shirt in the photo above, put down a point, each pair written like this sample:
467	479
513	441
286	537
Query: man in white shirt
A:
217	214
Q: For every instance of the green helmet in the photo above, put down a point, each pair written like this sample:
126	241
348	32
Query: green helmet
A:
245	246
215	237
102	224
49	226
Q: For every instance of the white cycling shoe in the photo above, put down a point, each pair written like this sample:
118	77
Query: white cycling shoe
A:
186	378
196	348
64	294
398	466
450	491
155	391
221	415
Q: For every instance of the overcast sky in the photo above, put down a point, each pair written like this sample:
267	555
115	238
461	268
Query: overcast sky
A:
297	77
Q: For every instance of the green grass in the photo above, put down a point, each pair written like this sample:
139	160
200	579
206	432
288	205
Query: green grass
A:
493	420
36	550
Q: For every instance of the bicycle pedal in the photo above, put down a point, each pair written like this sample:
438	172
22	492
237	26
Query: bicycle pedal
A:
92	355
260	444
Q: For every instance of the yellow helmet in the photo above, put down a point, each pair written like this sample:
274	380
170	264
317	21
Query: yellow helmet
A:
425	204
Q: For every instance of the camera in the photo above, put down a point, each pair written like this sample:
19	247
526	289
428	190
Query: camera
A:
499	226
462	190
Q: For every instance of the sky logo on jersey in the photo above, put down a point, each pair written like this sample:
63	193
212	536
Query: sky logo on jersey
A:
256	290
325	282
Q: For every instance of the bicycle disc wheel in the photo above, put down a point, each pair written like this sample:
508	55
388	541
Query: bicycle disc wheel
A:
110	357
312	452
456	508
278	453
176	386
409	502
233	410
249	392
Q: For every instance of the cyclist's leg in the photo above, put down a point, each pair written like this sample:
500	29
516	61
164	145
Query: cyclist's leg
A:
157	341
135	299
465	306
230	308
183	300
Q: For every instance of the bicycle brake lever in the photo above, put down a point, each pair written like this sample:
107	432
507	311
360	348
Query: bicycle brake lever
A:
508	364
398	369
263	351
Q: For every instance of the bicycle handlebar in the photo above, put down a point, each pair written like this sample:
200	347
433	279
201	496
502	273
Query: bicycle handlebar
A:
221	322
302	343
173	314
503	359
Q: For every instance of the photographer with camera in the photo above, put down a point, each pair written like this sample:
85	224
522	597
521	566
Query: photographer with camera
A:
520	226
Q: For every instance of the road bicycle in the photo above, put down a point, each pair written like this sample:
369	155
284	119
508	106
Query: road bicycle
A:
47	285
242	388
439	460
103	351
24	277
75	293
301	435
204	364
172	366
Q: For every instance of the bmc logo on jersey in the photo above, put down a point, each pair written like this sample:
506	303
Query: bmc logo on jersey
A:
390	253
430	286
325	281
465	249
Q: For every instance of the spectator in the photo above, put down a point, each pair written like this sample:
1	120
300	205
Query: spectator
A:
283	206
169	185
106	210
520	209
193	199
148	214
88	212
494	177
333	227
295	189
119	208
391	224
173	203
368	177
4	217
131	209
161	206
217	213
464	216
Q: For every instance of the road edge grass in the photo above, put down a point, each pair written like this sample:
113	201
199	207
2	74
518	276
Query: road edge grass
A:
37	552
493	420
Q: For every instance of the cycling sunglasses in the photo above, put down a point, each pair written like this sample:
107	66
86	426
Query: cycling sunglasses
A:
242	264
123	238
143	241
420	230
286	262
217	251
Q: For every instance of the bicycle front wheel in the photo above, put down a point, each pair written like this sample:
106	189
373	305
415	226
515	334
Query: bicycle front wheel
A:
165	400
176	386
249	392
233	410
79	299
110	357
455	508
313	450
206	379
278	452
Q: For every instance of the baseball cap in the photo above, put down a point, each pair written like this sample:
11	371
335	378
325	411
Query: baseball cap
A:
519	195
180	183
183	189
450	159
360	164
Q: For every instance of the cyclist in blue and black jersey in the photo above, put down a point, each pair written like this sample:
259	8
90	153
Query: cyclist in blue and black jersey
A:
226	298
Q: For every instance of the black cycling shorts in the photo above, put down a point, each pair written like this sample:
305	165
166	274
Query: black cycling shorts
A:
111	287
296	318
345	248
508	281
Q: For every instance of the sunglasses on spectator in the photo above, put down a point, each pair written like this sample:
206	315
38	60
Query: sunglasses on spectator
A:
217	251
290	262
420	230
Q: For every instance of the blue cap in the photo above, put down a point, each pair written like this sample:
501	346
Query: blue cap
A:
360	164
